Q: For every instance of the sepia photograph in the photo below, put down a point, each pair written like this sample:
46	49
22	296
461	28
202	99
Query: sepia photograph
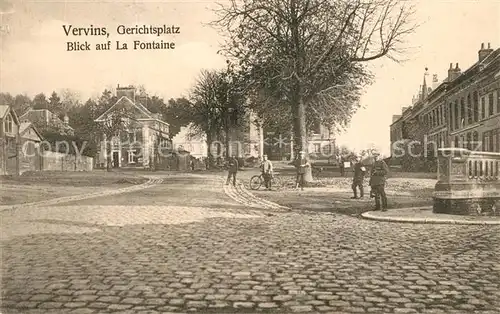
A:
250	156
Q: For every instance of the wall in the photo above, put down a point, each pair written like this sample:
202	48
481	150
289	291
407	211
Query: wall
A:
53	161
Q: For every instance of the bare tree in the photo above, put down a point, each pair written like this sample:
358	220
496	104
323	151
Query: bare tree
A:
215	106
310	55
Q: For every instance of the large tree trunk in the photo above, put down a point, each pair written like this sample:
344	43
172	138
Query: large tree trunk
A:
300	132
298	106
209	151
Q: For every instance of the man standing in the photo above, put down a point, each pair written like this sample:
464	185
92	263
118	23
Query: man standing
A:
377	181
301	164
341	166
359	176
266	168
233	170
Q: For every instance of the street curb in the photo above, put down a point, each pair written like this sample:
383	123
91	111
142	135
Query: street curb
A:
369	216
66	199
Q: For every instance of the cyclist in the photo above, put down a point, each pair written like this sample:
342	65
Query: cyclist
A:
266	168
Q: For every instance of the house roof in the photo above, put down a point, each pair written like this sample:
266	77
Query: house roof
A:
43	114
125	100
4	109
25	126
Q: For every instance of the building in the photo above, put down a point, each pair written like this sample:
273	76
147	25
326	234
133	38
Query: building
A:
321	144
31	157
461	111
144	139
43	119
9	141
196	145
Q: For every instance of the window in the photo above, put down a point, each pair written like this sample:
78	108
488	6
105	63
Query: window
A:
476	107
317	148
483	108
486	141
457	144
469	110
131	156
498	101
327	149
457	118
316	127
495	139
469	141
462	113
490	104
450	118
132	137
475	139
8	124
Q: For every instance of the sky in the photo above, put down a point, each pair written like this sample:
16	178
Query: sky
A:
33	56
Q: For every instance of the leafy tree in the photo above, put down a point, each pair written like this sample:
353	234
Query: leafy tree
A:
40	101
308	56
70	98
56	106
20	103
106	100
6	99
82	120
176	114
215	106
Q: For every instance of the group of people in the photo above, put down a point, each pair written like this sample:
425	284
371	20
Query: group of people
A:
266	168
378	175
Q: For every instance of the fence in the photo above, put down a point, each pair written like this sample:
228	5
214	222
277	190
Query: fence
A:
53	161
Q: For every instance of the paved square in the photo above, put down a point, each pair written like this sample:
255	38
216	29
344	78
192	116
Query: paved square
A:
103	256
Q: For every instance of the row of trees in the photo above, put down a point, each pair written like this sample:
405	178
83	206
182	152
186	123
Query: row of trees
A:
303	61
292	62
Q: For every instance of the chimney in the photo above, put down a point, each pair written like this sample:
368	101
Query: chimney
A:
484	53
450	73
453	73
128	92
395	117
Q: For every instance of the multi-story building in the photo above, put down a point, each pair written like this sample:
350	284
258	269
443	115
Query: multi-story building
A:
462	111
138	143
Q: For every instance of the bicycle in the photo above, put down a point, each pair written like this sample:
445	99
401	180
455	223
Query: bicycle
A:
258	180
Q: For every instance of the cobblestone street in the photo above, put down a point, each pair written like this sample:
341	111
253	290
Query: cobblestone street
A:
185	245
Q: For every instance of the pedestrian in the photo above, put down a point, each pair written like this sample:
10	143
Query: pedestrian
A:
377	181
266	168
342	166
233	170
359	176
301	163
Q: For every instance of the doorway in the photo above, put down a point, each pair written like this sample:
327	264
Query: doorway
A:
116	160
